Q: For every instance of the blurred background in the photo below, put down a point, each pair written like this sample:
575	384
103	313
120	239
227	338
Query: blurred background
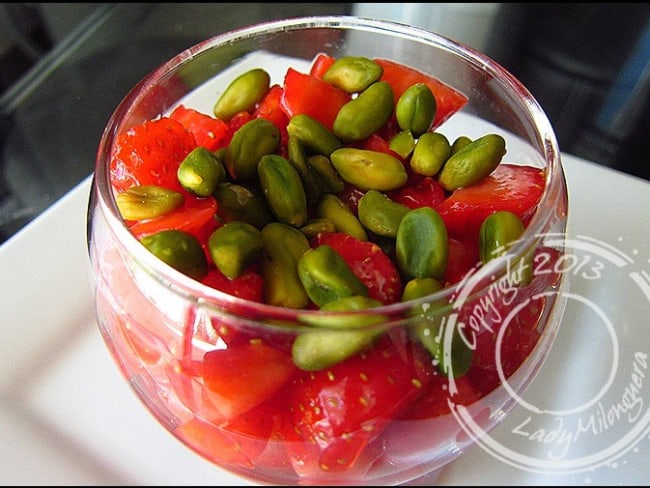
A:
65	66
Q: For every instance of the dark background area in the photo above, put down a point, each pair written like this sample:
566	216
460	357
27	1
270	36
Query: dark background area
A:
588	64
589	67
70	66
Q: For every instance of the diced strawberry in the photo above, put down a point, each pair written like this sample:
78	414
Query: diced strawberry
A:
321	64
150	154
427	192
196	216
462	256
309	95
249	439
208	131
509	187
248	285
400	77
236	122
270	108
243	375
435	400
337	412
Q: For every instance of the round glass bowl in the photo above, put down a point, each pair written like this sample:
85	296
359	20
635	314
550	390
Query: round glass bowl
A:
383	416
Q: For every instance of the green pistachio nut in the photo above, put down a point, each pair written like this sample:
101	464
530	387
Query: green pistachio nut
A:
449	352
459	143
379	214
234	246
446	345
283	246
240	202
473	162
220	154
179	249
498	232
314	350
147	202
335	210
201	171
367	113
420	287
297	157
416	109
353	73
326	276
283	190
326	174
317	349
346	320
315	226
402	143
256	138
369	170
242	94
315	137
430	153
421	244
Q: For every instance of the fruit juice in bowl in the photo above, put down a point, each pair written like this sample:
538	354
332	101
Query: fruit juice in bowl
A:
323	247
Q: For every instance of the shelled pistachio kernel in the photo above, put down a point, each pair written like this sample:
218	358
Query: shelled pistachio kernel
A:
497	233
431	151
283	190
147	202
402	143
256	138
335	337
234	246
332	208
353	74
379	214
326	276
459	143
369	170
242	94
179	249
283	245
242	202
473	162
416	109
421	244
365	114
201	171
315	137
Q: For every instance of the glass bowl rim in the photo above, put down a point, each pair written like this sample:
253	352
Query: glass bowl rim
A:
196	291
